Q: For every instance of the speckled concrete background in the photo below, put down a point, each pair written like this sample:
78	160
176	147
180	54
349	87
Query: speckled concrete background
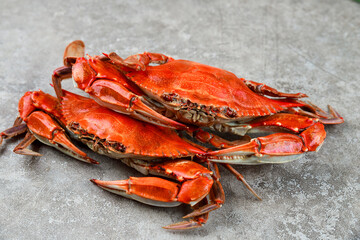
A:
307	46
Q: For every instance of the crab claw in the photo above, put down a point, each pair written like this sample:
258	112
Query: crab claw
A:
46	130
274	148
149	190
117	97
196	185
159	192
41	114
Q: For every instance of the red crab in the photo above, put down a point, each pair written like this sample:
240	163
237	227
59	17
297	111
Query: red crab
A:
179	93
148	148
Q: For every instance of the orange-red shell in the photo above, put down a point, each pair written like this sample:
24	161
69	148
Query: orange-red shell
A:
205	85
138	137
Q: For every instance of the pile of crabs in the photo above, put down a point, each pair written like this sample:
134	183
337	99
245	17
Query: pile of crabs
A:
160	116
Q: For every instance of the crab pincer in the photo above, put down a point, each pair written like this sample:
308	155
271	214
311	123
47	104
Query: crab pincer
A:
193	184
44	122
303	134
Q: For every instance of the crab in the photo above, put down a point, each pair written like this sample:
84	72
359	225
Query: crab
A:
148	148
180	94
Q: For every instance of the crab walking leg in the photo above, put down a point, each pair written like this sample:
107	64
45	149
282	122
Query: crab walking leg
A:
17	121
60	74
240	178
73	51
269	91
139	61
314	111
274	148
293	122
195	222
12	132
21	148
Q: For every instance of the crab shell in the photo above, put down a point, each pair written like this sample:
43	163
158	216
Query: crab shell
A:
119	136
203	94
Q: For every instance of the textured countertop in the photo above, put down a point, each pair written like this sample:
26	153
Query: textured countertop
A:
294	46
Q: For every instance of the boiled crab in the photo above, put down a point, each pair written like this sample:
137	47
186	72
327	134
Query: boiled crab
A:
182	93
148	148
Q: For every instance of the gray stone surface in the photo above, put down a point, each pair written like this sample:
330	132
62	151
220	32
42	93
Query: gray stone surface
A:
296	46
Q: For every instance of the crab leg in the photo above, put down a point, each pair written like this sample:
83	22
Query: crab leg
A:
139	61
46	130
315	112
219	142
119	94
296	121
269	91
17	121
194	222
240	178
12	132
60	74
22	149
292	122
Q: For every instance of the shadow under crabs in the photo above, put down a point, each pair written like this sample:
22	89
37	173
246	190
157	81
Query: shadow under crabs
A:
137	111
